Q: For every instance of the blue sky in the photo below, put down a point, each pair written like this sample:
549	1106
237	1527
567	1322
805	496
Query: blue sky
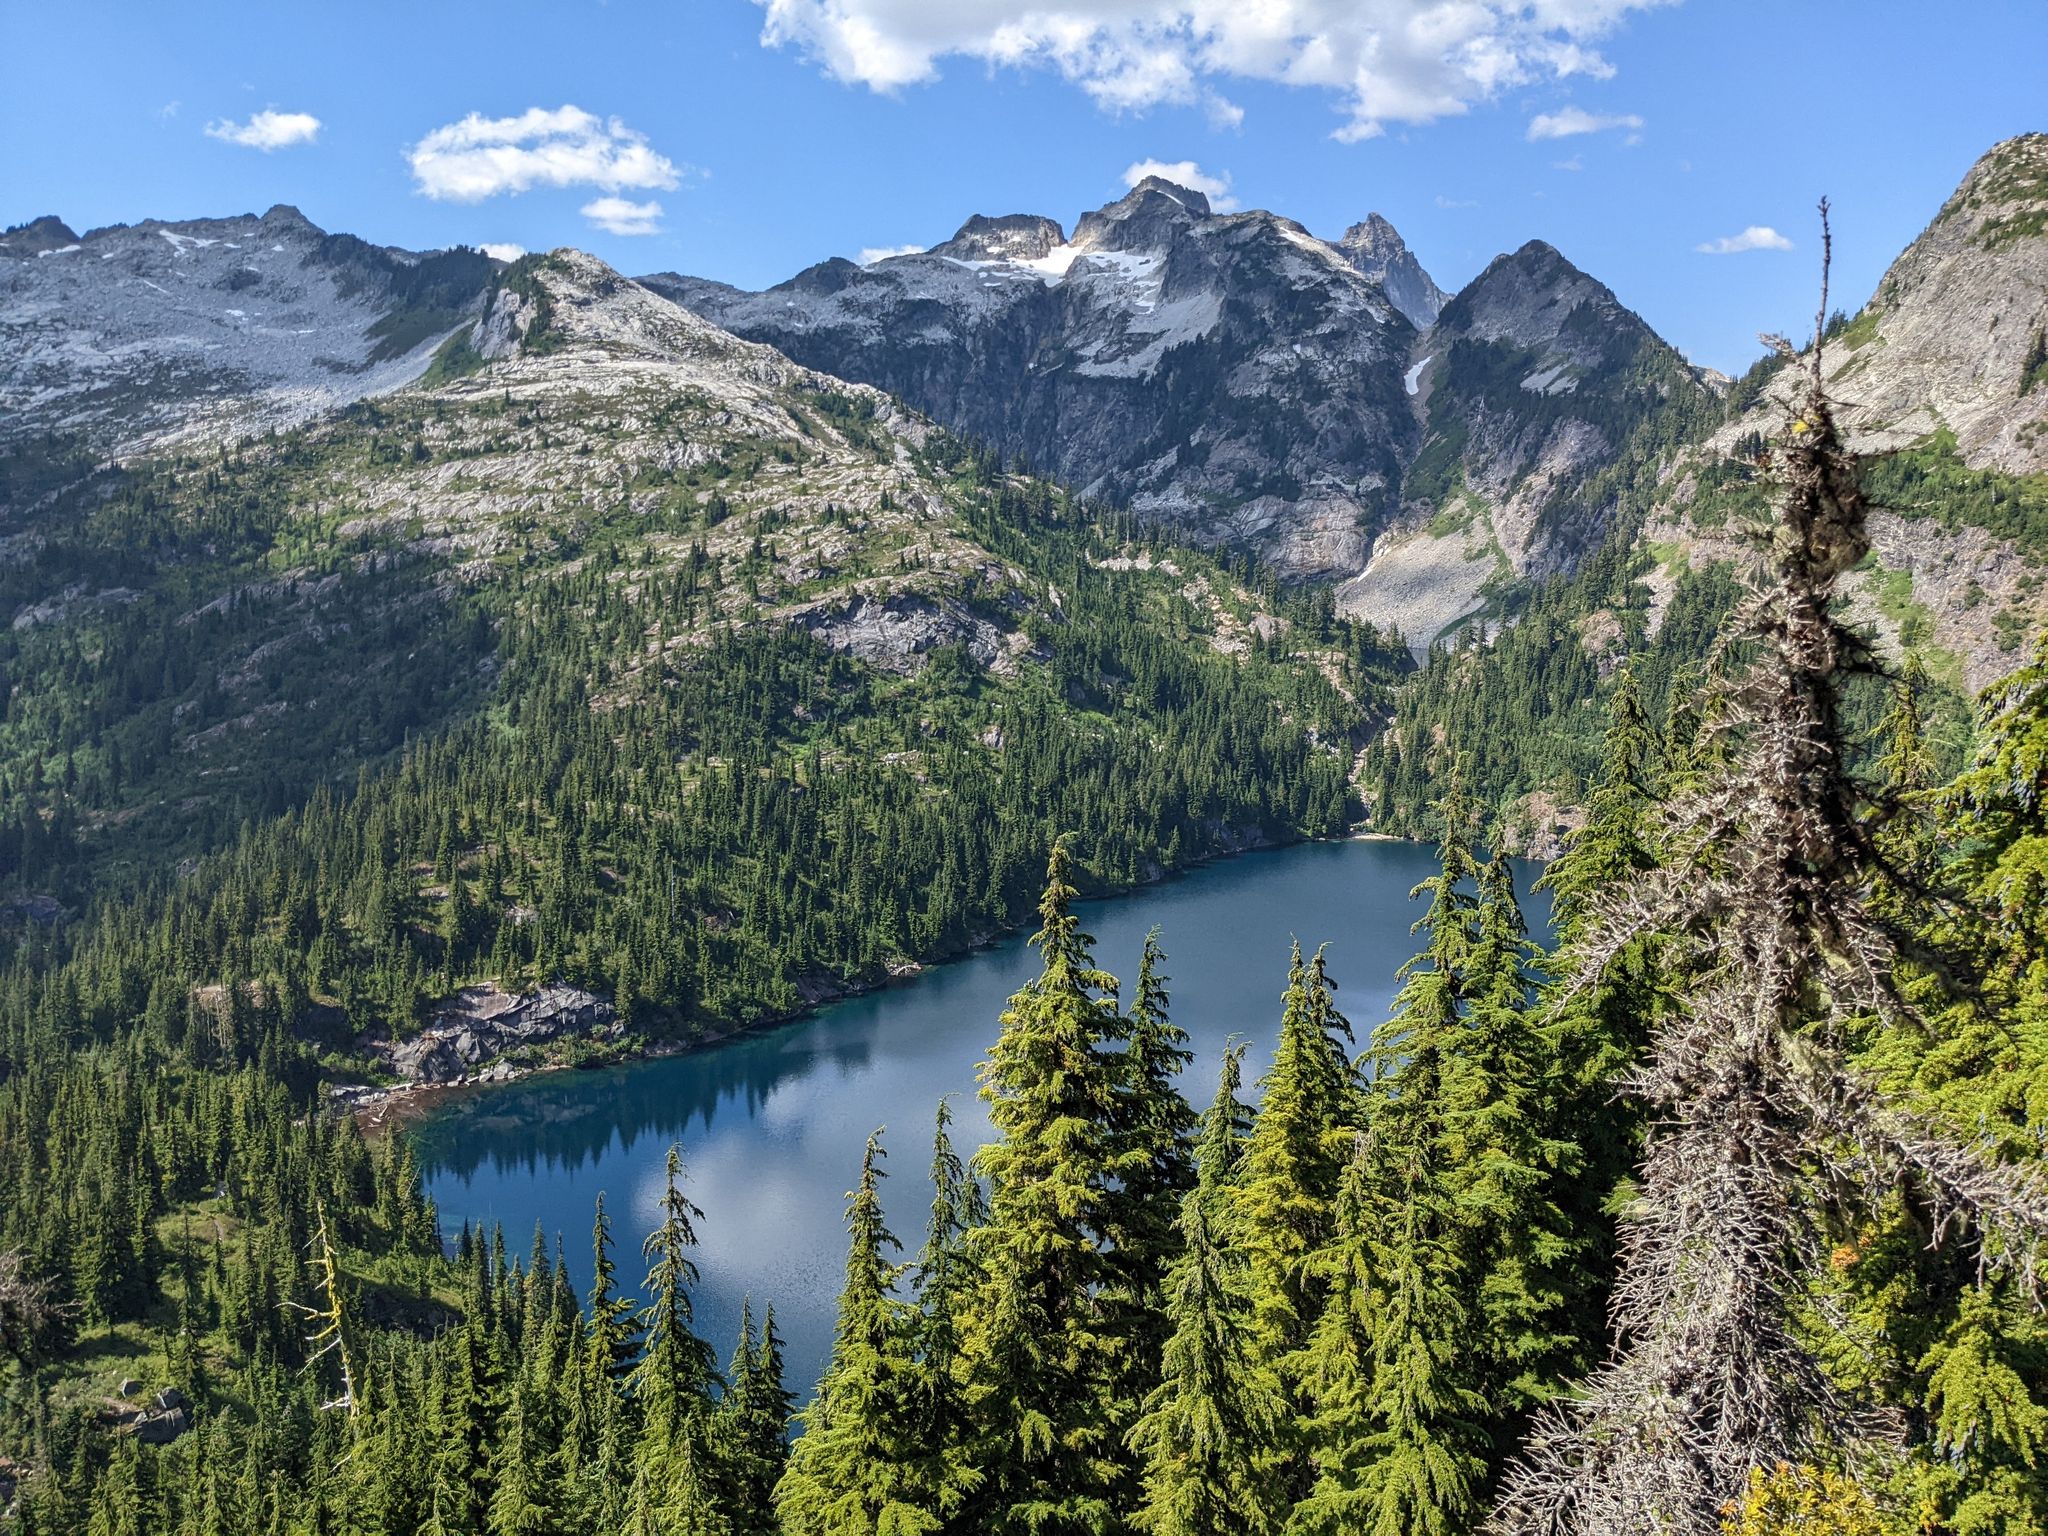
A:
773	133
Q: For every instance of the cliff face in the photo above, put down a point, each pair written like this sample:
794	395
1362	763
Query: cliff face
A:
1956	336
1228	374
1943	377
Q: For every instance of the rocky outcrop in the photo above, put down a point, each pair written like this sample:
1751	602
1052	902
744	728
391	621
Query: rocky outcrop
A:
159	1421
481	1023
1956	336
897	634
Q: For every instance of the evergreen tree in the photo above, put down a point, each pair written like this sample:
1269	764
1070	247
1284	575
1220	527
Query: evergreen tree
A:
1764	902
611	1338
945	1279
1211	1425
671	1382
754	1426
1153	1167
1503	1164
1037	1352
850	1473
1224	1128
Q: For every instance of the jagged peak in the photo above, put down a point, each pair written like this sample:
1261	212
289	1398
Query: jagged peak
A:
1372	233
1527	296
1004	237
1375	248
1149	217
1195	202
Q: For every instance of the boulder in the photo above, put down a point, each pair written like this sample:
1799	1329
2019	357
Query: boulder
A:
162	1428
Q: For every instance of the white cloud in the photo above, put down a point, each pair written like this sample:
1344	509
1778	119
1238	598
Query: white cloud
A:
1456	202
619	216
1572	121
1185	173
267	130
1758	237
481	157
870	254
1573	164
1387	61
169	110
501	250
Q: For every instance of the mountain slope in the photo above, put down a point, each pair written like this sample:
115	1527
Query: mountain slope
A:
134	333
1944	372
611	559
1322	405
1542	397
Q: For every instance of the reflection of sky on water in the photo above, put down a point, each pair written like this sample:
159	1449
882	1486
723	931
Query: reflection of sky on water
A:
772	1124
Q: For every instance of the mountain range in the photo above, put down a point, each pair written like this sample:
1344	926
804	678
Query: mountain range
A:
1319	404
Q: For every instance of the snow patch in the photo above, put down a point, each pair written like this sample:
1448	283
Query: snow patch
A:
1412	379
62	250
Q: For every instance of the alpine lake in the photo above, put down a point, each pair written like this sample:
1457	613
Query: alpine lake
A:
772	1122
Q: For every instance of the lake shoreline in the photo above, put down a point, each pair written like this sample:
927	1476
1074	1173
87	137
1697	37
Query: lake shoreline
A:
380	1108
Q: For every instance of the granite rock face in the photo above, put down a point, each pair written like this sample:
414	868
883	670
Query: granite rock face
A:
1312	402
1380	254
1227	374
479	1024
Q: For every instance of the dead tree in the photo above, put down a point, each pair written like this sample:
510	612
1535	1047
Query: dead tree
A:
29	1309
331	1336
1763	1130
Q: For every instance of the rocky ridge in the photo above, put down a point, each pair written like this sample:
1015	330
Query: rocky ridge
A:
140	333
1946	363
1230	375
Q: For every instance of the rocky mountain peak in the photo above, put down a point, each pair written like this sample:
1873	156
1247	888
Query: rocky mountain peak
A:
1377	250
1529	298
1149	217
1956	333
826	277
48	233
284	216
1006	237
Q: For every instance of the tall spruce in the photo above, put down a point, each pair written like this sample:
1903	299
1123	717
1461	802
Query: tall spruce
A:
672	1381
851	1472
1284	1196
1505	1160
1153	1167
1038	1353
1208	1430
944	1282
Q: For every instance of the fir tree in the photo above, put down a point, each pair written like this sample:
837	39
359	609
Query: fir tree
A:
850	1471
1036	1351
672	1380
1153	1166
612	1339
1211	1425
